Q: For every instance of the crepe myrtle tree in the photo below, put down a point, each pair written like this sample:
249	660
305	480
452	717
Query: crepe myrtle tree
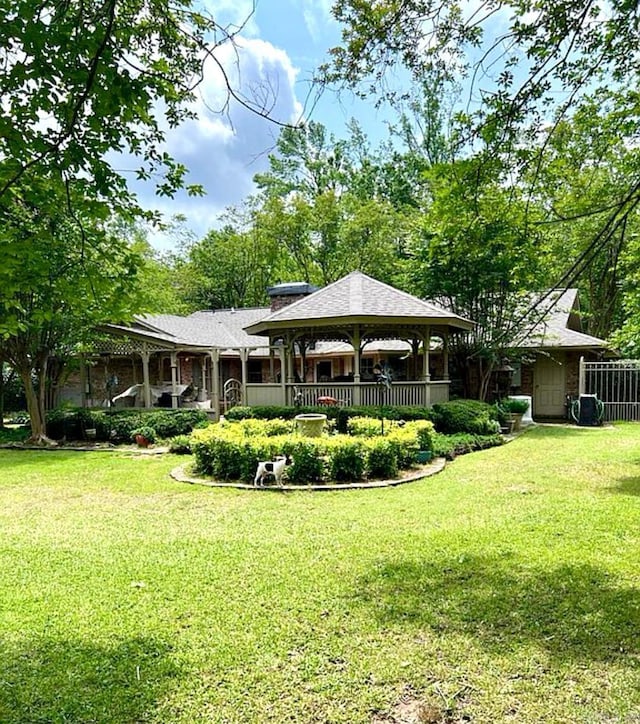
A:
84	83
61	276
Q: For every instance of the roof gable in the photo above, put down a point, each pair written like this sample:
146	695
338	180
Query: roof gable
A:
561	325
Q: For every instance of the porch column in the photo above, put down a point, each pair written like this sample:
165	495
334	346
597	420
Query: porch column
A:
244	357
445	355
426	345
174	380
272	369
282	354
214	356
289	346
202	392
146	387
355	342
426	376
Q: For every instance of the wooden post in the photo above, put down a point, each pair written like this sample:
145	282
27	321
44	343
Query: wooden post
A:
214	356
202	392
445	355
355	342
244	359
146	387
283	379
426	374
174	380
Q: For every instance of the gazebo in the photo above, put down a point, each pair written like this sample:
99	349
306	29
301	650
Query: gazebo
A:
358	310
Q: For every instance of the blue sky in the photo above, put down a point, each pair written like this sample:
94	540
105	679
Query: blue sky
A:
281	46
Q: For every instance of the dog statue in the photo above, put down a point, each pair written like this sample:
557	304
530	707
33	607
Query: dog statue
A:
273	468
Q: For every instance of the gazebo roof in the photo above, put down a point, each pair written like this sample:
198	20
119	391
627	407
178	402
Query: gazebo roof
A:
358	299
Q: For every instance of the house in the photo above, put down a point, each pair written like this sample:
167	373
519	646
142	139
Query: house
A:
319	346
550	355
311	345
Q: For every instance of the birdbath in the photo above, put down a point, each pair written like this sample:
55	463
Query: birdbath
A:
310	424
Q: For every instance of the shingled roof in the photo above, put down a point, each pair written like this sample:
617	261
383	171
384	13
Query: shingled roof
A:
358	298
561	326
222	328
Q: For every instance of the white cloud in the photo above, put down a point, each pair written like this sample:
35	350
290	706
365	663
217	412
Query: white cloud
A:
318	18
227	144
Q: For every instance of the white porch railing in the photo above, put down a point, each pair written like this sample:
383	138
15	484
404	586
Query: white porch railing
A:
409	394
266	393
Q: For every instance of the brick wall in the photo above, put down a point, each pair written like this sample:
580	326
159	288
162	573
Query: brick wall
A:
283	300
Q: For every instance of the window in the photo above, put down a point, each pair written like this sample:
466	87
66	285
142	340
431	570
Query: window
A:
254	370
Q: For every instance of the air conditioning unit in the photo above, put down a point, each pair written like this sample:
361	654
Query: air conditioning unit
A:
587	411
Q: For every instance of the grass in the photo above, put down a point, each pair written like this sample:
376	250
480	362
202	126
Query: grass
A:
504	589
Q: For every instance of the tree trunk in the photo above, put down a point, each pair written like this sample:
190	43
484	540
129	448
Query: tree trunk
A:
485	379
35	408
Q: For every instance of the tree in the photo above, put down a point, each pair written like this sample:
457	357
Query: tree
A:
587	167
85	81
82	84
526	67
59	280
228	268
332	206
477	256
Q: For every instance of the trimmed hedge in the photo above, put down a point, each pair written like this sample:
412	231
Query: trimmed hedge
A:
449	446
468	416
232	450
341	415
118	425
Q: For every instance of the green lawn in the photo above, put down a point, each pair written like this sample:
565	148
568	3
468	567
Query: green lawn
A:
506	589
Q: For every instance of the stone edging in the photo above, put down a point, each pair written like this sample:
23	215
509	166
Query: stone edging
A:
180	474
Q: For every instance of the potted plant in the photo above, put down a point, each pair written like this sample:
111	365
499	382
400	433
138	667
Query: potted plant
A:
514	410
144	436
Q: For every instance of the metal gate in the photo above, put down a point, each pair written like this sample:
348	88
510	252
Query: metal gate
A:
617	384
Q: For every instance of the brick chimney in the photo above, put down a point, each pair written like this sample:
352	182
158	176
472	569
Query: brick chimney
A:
282	295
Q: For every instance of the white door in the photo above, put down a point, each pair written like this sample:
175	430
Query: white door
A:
549	381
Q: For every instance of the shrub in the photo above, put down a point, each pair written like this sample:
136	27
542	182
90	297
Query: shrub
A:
518	407
448	446
251	426
117	425
169	423
364	426
232	450
346	458
470	416
145	431
340	414
239	413
405	444
309	464
13	434
180	445
382	460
